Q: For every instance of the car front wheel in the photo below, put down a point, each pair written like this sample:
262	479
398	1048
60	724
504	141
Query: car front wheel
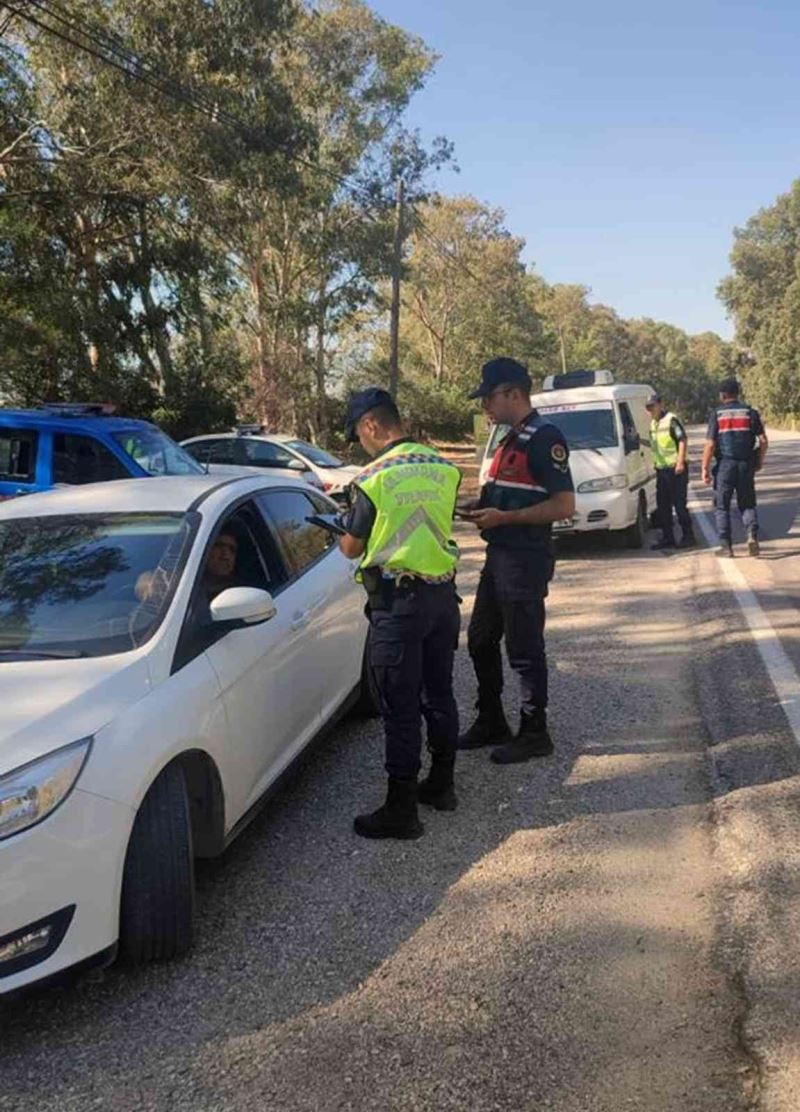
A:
157	907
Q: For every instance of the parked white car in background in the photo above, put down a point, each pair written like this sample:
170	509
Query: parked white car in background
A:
608	431
167	650
248	446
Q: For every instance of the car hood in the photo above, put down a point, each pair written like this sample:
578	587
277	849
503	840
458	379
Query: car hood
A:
50	703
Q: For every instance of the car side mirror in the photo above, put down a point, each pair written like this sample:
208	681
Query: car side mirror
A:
245	605
296	465
632	442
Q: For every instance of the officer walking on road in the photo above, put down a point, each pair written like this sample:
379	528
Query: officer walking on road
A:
736	436
669	444
529	486
400	524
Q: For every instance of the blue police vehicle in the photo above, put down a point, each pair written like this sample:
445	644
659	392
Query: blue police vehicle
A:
65	443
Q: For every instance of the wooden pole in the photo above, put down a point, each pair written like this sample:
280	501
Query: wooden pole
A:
397	263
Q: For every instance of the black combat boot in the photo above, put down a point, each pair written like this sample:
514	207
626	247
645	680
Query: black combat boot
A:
687	540
489	728
437	789
397	818
665	542
533	740
753	547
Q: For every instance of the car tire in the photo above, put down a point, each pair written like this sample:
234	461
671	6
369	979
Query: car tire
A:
366	705
157	906
634	536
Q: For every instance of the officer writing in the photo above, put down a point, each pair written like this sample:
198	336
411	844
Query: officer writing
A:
529	486
400	525
737	438
669	444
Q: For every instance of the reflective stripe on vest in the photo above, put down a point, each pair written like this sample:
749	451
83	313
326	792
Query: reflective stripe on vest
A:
665	450
413	490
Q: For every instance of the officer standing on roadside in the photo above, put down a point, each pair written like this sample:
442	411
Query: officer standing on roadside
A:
737	438
400	524
528	488
669	444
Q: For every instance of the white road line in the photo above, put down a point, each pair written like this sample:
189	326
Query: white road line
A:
779	667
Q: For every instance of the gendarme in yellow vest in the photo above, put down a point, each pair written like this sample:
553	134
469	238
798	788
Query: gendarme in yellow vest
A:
413	490
665	450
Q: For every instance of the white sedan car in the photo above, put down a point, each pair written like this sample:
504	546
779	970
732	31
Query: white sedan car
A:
167	650
249	446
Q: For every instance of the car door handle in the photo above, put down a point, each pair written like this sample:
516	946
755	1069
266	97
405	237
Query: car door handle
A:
299	621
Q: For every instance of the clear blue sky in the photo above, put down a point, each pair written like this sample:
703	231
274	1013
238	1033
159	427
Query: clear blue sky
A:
624	139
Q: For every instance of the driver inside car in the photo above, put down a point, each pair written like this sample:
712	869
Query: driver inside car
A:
219	571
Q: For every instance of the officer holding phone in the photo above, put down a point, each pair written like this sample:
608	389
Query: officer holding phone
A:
400	526
528	488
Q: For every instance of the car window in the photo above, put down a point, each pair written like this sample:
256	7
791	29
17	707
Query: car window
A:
317	455
224	450
87	584
287	512
156	453
18	455
82	459
262	453
241	553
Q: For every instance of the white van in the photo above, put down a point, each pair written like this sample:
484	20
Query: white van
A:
608	431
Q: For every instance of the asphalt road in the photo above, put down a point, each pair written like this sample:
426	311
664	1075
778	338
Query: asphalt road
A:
611	928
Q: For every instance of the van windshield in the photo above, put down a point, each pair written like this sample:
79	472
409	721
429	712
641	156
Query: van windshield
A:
584	426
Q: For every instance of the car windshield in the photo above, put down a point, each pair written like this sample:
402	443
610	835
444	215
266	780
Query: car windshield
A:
87	584
317	456
156	453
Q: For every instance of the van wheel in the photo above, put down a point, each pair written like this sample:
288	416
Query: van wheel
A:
157	907
366	705
634	535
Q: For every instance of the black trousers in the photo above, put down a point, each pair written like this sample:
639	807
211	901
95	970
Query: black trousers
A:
671	492
413	639
510	604
735	476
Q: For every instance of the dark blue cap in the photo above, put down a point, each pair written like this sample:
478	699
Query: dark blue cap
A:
501	372
652	399
362	403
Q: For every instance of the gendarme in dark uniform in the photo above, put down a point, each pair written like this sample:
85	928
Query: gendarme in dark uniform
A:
529	486
400	524
737	439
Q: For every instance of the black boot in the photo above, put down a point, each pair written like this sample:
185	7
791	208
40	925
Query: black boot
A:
753	547
397	818
533	740
489	728
665	542
687	540
437	789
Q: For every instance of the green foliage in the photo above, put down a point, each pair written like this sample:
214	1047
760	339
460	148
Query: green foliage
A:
763	296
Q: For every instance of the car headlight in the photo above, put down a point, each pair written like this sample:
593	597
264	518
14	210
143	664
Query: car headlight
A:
610	482
32	792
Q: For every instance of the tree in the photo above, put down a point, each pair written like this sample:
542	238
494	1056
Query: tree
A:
763	297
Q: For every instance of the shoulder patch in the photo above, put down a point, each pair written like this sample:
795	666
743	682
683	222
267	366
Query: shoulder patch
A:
558	452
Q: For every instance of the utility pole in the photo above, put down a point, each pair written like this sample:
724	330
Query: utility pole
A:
397	263
563	349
